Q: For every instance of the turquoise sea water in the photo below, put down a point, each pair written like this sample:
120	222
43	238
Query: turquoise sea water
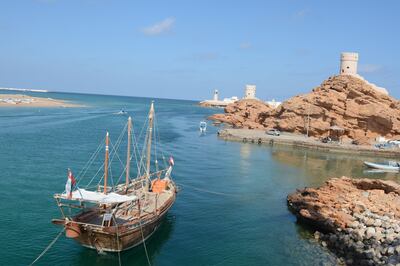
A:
231	210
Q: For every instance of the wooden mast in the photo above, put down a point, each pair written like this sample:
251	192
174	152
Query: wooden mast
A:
128	153
148	156
106	166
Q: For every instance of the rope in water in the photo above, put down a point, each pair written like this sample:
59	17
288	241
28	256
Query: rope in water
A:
144	242
207	191
48	247
119	253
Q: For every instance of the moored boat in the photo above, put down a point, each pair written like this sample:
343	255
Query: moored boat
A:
203	126
118	216
391	166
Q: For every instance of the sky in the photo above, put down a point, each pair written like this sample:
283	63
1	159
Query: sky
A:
186	49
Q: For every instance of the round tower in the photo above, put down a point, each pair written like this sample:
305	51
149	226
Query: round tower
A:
215	95
348	63
250	92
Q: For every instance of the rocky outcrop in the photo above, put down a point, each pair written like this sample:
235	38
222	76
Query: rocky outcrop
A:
359	219
344	101
244	114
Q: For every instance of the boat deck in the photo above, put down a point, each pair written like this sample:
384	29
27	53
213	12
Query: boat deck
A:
129	212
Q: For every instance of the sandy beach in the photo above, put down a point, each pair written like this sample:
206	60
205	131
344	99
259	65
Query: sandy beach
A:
21	100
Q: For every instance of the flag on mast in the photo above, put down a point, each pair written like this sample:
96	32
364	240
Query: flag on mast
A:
69	186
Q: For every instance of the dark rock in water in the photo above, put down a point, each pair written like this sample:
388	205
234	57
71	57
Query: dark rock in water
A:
361	230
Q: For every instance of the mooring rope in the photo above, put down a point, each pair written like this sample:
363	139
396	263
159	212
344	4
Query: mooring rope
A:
119	252
144	242
206	190
48	247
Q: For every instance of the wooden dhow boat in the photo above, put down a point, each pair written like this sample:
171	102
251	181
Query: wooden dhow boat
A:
113	218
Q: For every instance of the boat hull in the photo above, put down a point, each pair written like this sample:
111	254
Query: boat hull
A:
126	236
113	242
382	166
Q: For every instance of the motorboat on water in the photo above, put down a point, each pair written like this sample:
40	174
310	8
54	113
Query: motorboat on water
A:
203	126
390	166
121	112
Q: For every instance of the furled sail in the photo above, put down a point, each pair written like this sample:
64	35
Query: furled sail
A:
98	197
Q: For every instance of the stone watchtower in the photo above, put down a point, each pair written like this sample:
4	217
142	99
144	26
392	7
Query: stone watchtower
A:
348	63
250	92
215	98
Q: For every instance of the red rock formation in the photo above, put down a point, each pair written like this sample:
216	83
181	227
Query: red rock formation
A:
244	114
360	218
344	101
335	204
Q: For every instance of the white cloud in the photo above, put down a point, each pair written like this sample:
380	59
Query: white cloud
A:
160	27
369	68
245	45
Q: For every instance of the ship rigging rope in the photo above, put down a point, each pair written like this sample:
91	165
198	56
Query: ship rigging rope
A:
49	246
85	168
102	165
113	153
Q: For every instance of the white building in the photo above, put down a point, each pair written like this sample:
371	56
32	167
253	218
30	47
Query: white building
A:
274	104
250	92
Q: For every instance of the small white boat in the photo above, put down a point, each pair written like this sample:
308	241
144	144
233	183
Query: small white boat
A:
122	112
391	166
203	126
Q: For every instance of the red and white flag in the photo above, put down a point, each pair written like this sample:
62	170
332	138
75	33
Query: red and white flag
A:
171	161
69	186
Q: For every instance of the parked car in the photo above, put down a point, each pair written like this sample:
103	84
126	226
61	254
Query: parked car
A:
273	132
326	140
394	143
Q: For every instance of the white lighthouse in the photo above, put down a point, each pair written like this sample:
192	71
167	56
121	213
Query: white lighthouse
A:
348	63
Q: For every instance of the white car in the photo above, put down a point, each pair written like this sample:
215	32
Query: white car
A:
273	132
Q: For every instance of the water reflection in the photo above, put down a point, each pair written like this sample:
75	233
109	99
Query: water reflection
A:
134	256
324	165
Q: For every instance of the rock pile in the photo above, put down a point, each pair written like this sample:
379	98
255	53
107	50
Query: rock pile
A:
344	101
358	219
